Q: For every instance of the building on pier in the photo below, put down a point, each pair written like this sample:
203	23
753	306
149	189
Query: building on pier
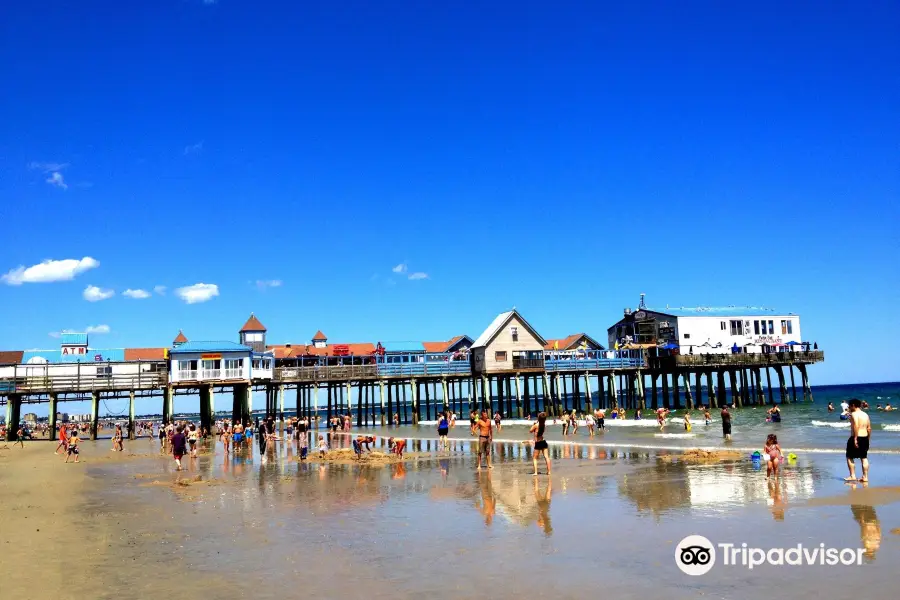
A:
196	362
508	344
707	330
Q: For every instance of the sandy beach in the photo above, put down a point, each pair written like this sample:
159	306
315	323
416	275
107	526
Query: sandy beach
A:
257	526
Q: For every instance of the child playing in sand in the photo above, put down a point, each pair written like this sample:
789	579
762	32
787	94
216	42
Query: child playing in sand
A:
773	450
323	447
397	447
72	447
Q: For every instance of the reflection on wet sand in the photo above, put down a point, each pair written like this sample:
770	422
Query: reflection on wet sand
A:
869	528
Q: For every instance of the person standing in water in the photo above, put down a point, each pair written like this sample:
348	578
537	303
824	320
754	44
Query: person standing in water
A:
858	444
485	435
687	420
726	424
443	428
540	444
775	456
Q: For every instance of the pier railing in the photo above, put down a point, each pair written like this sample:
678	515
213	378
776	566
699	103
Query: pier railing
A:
47	384
581	360
755	359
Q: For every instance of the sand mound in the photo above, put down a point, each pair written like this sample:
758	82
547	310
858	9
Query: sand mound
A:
695	455
348	455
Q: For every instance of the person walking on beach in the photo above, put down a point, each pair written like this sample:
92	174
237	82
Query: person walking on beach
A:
773	450
72	446
858	444
20	437
117	440
565	423
589	421
540	444
179	446
193	437
497	419
485	435
63	440
573	422
726	424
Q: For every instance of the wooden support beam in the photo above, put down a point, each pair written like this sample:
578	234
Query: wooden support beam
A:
51	416
793	386
807	390
95	414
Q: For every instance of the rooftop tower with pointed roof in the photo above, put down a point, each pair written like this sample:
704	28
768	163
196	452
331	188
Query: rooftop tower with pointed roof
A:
319	340
179	339
253	334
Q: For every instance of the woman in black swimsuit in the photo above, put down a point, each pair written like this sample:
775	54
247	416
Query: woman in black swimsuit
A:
540	444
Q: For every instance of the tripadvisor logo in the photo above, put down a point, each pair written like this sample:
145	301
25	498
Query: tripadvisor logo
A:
696	555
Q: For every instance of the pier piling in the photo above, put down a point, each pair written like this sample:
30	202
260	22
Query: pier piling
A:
51	416
95	414
13	416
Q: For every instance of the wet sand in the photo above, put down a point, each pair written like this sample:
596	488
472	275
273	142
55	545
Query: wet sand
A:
606	522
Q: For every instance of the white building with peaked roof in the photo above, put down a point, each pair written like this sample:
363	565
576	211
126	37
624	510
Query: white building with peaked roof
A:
508	344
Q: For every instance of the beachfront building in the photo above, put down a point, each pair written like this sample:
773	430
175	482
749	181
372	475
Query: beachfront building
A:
708	330
458	344
508	344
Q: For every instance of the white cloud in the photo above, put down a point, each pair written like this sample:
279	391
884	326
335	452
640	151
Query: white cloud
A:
417	276
92	293
50	270
199	292
47	167
97	329
401	268
160	290
54	334
136	294
56	179
262	284
194	148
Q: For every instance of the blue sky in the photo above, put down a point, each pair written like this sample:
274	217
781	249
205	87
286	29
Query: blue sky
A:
558	158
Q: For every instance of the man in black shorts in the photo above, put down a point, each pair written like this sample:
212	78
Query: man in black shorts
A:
858	444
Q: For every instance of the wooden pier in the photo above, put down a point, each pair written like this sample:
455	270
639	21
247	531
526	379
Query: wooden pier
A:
420	390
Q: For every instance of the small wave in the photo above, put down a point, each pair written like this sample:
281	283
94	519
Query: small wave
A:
675	435
700	421
893	427
837	424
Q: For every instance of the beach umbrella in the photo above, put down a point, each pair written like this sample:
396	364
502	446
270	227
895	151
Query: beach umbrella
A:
793	343
668	346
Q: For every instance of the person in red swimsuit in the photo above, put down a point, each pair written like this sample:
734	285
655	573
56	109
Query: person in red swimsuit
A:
397	446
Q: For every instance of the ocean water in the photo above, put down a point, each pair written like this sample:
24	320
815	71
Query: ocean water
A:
805	426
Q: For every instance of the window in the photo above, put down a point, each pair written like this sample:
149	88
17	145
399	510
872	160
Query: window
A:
515	334
756	327
763	327
790	327
687	336
737	327
783	327
500	356
723	326
104	371
771	327
253	337
256	363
